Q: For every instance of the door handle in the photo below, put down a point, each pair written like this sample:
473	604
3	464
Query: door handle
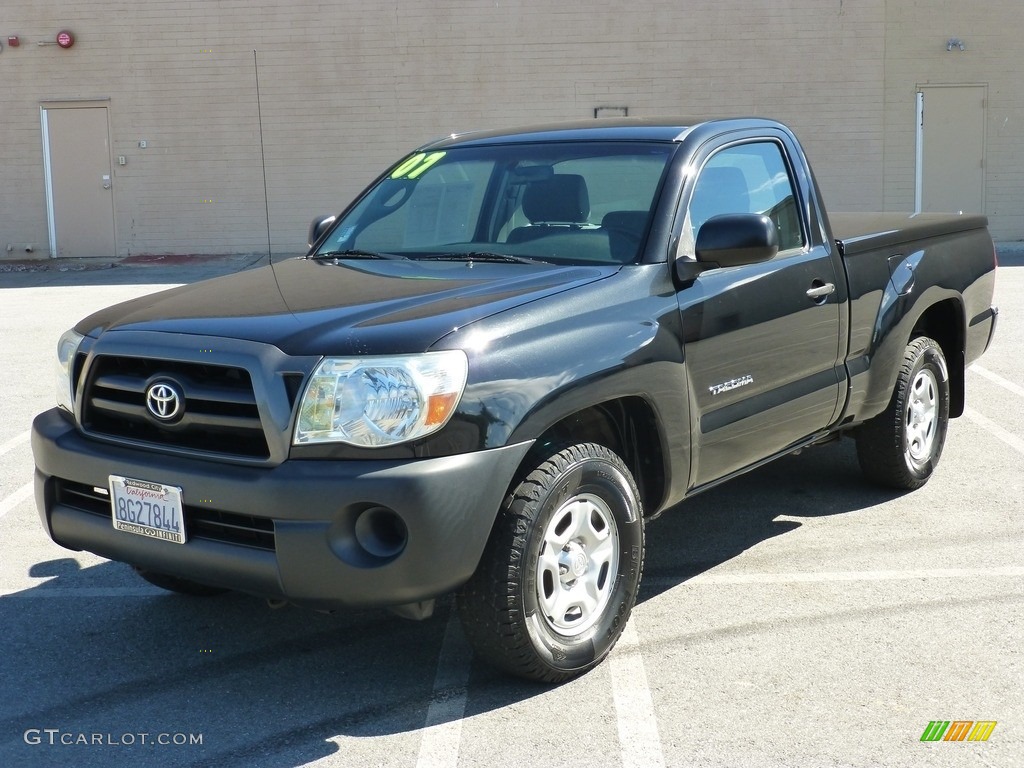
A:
821	291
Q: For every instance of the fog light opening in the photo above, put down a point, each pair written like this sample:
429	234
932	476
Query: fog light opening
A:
381	532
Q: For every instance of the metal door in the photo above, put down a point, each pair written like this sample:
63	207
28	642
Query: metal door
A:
79	194
951	149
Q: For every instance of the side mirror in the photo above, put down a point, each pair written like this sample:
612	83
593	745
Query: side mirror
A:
734	239
318	227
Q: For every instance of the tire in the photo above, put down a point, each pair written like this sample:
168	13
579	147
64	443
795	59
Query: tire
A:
179	585
900	447
560	573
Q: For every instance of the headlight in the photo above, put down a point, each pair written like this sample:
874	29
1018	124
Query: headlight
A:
66	349
376	401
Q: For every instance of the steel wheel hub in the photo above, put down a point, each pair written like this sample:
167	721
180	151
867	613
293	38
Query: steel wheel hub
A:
922	416
576	567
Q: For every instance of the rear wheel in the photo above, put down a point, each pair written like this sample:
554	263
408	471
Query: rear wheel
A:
560	574
179	585
900	447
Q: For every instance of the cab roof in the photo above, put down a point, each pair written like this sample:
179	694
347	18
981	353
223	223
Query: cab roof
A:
600	129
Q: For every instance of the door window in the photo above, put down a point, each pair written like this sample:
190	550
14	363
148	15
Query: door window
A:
747	178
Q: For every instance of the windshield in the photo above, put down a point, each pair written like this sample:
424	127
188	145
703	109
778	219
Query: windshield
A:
563	202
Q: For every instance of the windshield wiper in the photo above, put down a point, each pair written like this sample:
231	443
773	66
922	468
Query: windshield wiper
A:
354	253
480	256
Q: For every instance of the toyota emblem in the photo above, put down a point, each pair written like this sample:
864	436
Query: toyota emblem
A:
165	400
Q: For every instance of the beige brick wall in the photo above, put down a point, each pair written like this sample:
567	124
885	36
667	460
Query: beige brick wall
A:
916	55
348	86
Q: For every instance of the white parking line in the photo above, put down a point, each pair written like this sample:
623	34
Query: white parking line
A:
14	442
442	732
1012	572
997	379
16	498
990	426
639	741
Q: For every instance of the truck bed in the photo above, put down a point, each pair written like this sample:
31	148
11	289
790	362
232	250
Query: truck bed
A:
859	232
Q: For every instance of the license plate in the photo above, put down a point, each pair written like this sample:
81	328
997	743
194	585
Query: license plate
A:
148	509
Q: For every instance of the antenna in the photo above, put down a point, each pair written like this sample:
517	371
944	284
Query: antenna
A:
263	155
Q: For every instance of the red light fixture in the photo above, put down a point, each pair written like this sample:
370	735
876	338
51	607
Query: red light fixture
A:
65	39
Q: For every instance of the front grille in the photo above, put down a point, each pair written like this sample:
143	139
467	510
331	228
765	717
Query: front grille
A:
200	522
220	411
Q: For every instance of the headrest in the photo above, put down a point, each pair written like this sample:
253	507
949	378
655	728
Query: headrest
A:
560	198
721	190
632	222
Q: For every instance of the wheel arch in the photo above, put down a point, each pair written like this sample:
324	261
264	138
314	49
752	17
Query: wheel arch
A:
937	315
946	323
628	426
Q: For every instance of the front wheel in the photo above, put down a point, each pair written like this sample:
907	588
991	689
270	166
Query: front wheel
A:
560	573
900	447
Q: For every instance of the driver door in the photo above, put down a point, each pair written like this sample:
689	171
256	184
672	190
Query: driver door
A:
761	340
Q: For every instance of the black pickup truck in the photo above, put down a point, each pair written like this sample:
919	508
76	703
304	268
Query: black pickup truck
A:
512	350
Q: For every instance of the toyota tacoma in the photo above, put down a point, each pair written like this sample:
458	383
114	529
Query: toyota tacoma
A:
511	351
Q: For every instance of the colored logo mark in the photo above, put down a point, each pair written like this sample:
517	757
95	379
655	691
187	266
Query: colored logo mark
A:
958	730
416	165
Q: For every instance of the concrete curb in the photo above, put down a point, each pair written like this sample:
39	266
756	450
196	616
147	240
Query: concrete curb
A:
232	262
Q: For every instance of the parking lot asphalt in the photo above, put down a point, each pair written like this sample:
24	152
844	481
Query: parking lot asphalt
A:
793	617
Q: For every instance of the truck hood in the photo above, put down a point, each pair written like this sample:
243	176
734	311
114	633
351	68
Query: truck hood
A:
307	307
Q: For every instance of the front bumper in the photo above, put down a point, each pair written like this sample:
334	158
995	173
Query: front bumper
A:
309	551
